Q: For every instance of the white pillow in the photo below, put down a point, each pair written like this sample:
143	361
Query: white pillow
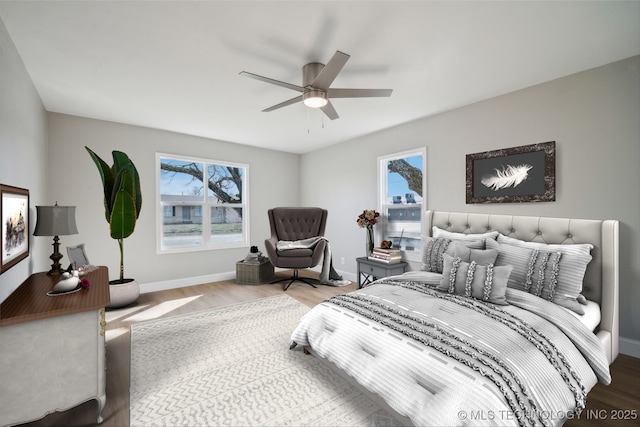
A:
575	248
439	232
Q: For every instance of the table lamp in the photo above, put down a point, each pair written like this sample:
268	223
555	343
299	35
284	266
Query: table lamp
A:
55	221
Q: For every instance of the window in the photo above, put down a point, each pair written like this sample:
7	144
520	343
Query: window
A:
402	184
194	216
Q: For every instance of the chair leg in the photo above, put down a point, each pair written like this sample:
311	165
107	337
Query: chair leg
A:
293	279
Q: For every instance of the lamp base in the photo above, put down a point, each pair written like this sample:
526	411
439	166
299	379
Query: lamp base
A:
56	256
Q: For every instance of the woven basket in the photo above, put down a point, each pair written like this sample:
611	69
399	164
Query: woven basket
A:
254	273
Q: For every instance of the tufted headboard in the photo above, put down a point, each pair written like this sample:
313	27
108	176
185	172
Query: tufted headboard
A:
601	278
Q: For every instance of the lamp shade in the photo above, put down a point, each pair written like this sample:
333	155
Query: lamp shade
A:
55	221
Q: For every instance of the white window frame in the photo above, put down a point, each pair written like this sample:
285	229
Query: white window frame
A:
384	205
207	243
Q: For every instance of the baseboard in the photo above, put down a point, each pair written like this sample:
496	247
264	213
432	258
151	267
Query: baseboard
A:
199	280
184	282
629	346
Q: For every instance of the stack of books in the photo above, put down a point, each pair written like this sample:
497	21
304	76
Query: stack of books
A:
389	256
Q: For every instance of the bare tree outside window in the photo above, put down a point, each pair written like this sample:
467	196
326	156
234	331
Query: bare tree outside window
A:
207	203
402	181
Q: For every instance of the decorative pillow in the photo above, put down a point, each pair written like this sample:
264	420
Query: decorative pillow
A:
480	256
439	232
482	282
577	248
553	275
433	248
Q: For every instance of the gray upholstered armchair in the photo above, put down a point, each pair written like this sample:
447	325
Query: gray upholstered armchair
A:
291	224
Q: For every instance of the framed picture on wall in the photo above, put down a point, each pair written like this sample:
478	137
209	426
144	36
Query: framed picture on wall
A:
513	175
14	208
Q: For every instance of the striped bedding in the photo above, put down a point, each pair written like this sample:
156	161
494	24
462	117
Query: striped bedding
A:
449	360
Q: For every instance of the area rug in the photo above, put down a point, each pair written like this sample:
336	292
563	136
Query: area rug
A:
232	366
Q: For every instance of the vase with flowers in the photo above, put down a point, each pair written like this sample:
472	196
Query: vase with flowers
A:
367	219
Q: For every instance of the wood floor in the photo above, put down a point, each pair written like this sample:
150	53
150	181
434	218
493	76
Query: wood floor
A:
604	403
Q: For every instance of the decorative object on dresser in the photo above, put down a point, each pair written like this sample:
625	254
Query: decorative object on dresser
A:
56	221
513	175
14	211
78	257
52	355
122	205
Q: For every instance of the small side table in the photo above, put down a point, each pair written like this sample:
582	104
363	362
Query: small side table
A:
254	273
370	270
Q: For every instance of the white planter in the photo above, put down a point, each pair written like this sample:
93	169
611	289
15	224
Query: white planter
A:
123	294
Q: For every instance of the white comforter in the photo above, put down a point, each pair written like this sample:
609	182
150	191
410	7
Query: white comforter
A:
447	360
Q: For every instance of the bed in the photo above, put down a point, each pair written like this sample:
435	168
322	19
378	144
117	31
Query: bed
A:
482	334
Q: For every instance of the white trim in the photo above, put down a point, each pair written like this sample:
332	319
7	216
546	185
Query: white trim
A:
629	346
187	281
210	278
206	205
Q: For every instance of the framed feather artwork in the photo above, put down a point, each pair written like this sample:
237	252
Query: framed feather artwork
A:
513	175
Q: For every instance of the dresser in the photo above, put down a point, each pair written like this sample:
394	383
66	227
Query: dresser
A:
52	348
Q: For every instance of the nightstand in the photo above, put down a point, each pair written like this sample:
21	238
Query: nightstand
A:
370	270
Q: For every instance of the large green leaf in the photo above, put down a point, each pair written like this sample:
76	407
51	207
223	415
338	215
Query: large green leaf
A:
121	163
123	215
106	174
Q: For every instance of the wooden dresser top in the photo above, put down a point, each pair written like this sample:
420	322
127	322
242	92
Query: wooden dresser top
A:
31	302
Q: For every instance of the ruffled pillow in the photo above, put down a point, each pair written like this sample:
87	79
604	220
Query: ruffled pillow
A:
553	275
483	282
434	247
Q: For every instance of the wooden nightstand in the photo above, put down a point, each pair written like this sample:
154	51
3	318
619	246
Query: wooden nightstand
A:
370	270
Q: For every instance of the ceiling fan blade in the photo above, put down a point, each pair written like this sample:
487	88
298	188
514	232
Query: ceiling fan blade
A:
272	81
329	72
358	93
283	104
330	111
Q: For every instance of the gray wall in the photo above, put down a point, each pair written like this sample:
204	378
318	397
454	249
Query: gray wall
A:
23	150
594	118
273	180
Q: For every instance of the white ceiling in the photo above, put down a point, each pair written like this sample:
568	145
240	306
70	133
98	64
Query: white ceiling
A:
174	65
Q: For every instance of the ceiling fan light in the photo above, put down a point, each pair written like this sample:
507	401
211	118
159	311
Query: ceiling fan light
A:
315	98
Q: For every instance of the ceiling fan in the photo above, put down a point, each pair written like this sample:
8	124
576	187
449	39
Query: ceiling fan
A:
316	91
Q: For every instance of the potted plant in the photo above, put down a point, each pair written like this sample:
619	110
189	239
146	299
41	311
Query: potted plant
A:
122	204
